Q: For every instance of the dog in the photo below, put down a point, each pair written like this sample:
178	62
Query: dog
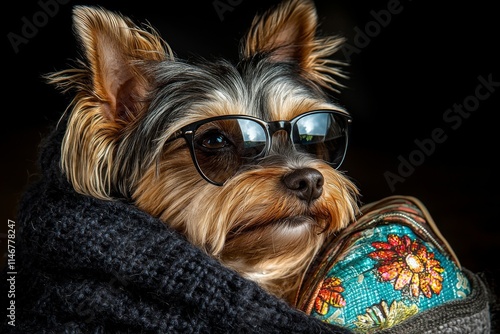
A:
241	158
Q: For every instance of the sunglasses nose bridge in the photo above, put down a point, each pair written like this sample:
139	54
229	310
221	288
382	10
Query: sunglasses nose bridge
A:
279	135
279	126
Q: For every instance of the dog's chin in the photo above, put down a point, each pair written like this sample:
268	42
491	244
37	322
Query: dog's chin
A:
293	225
274	253
296	221
281	237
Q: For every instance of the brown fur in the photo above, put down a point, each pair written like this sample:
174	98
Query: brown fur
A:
251	223
289	32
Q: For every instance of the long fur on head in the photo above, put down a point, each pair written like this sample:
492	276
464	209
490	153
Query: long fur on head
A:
110	93
288	33
132	96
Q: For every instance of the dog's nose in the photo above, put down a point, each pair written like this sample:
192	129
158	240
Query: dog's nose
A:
305	183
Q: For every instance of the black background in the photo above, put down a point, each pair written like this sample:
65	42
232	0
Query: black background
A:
402	82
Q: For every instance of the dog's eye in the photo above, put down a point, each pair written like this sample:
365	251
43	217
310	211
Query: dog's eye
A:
213	140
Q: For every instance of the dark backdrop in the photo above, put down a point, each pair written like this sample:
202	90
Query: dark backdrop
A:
410	72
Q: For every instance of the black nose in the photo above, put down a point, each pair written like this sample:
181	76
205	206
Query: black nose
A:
305	183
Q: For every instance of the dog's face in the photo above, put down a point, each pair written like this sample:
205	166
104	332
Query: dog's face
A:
226	154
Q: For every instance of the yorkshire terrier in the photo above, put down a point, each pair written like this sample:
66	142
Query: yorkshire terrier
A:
240	158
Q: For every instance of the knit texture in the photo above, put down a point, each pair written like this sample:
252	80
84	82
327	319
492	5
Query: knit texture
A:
91	266
470	315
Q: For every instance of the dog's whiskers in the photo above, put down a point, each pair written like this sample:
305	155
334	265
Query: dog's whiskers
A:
209	146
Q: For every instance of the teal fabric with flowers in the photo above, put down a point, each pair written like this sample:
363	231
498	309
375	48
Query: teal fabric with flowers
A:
389	265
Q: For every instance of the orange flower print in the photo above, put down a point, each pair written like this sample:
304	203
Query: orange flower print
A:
329	295
409	265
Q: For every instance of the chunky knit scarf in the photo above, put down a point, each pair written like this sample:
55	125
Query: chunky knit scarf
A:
90	266
85	265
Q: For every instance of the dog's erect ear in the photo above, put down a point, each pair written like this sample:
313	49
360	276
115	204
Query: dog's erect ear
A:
111	86
114	47
287	33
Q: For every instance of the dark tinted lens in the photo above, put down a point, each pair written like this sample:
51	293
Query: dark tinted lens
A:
221	147
322	135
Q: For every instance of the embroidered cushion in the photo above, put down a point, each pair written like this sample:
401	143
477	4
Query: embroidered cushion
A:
389	265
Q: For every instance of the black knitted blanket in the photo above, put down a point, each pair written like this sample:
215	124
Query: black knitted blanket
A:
90	266
85	265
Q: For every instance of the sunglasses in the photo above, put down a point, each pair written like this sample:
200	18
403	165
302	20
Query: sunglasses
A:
221	146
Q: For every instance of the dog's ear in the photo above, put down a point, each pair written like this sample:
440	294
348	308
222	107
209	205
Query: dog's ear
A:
111	84
114	48
287	33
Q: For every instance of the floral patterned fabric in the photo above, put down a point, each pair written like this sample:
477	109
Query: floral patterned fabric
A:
388	265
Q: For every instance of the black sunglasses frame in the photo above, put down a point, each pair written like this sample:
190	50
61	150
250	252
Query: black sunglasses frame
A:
187	132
